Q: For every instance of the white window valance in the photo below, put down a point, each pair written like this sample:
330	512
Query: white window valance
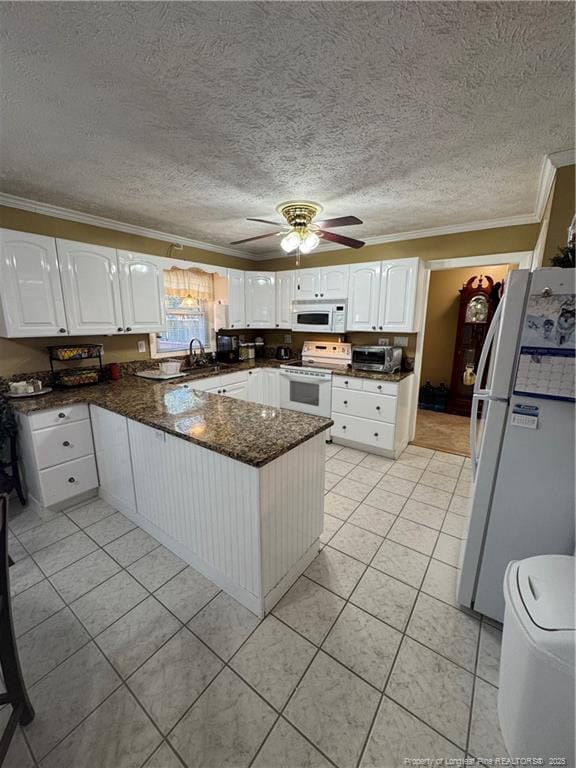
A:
189	282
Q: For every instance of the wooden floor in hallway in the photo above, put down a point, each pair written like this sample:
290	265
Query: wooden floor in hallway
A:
443	432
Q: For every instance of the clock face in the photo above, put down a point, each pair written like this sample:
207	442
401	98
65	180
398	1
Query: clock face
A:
477	310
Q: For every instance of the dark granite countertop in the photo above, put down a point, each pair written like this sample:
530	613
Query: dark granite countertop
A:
376	375
252	433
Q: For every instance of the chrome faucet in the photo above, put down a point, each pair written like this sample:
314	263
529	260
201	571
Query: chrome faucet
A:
199	357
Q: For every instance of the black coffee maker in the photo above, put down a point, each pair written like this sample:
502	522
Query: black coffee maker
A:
227	348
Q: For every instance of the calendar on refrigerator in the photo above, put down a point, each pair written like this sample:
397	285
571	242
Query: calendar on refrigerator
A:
545	372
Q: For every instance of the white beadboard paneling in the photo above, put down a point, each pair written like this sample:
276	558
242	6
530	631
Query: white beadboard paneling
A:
202	499
291	508
113	458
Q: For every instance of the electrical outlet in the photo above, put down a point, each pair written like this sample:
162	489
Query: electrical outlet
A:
384	342
141	346
287	338
400	341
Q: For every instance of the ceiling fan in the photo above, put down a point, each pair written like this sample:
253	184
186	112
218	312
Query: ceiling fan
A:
301	233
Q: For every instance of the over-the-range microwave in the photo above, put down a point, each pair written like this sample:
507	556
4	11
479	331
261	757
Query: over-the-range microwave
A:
319	317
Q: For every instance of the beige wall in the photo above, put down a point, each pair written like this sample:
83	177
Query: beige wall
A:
442	319
561	212
478	243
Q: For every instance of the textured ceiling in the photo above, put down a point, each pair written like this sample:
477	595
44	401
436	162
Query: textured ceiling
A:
188	117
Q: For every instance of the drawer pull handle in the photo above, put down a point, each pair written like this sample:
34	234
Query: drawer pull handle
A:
343	426
128	329
120	330
377	407
375	434
346	383
66	443
379	386
61	330
71	479
373	327
223	391
345	402
61	415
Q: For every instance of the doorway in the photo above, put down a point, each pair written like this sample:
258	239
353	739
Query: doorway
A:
460	304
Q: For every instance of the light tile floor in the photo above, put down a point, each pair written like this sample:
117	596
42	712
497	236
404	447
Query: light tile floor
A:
134	659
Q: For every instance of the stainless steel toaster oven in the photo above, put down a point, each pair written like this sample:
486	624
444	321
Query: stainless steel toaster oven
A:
382	359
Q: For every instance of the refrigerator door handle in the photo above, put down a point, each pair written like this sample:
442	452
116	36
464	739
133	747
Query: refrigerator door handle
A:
479	393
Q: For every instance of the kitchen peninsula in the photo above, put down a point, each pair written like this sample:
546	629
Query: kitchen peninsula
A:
234	488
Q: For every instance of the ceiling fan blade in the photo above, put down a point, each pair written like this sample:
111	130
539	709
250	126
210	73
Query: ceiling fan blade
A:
349	242
267	221
342	221
258	237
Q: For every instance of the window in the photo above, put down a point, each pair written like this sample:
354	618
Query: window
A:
189	296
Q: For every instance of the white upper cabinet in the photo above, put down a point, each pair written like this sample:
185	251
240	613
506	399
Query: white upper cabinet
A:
334	282
236	300
260	293
284	291
398	295
321	283
364	296
307	284
31	302
91	288
142	292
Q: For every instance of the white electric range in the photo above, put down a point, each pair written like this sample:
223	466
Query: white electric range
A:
307	385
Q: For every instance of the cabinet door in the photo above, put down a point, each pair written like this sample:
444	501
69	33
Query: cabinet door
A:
255	386
30	291
238	390
260	299
236	300
363	296
307	284
398	295
91	288
112	447
334	282
271	388
142	292
284	290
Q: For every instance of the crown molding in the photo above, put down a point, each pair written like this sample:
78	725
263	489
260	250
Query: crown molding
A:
11	201
562	158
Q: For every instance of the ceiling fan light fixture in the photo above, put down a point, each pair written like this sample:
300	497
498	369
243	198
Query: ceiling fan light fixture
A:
309	242
290	242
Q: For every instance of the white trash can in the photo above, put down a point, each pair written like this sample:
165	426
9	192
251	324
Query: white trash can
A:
537	681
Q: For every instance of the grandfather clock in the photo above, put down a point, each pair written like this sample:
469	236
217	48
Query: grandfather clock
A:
474	316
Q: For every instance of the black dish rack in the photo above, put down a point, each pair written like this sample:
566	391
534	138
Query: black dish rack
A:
78	375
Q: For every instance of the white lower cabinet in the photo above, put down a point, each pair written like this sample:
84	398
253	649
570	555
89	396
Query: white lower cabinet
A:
113	458
58	460
370	414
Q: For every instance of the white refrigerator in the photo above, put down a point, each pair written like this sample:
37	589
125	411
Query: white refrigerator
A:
522	448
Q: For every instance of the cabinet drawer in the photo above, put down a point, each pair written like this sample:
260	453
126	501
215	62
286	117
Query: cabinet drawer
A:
347	382
57	416
203	385
55	445
233	378
381	387
364	404
67	480
369	433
